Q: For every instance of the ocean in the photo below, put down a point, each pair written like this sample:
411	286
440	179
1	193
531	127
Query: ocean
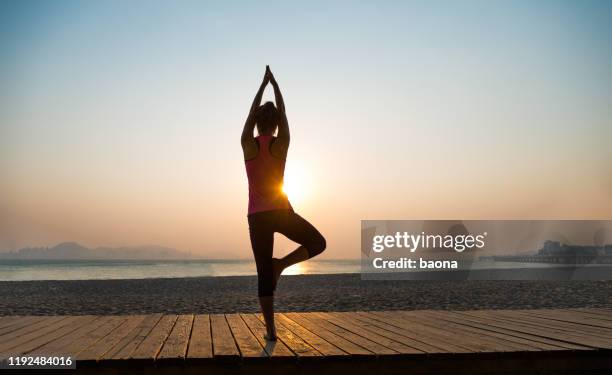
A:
25	270
51	269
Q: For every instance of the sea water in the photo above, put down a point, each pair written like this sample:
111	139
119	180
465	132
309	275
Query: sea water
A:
22	270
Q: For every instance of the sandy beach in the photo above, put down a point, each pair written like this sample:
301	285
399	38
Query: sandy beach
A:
346	292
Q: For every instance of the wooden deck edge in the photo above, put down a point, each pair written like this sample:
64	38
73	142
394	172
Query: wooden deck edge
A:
461	363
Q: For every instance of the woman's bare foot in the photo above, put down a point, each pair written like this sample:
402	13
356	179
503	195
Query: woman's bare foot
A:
277	269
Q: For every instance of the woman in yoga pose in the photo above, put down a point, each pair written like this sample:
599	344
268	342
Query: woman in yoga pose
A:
269	208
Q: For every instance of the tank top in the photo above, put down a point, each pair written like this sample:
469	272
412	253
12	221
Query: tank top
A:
265	174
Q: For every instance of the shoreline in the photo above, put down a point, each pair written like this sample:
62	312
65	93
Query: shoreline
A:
329	292
588	272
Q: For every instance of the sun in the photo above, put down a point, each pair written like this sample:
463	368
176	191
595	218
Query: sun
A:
296	269
295	184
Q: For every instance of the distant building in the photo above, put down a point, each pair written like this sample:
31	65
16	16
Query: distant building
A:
555	252
556	248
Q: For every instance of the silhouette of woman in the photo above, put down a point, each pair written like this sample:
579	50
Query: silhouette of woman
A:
269	208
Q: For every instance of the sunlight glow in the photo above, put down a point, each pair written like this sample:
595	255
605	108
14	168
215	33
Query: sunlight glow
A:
295	185
296	269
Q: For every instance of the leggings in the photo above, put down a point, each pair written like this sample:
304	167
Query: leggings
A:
263	225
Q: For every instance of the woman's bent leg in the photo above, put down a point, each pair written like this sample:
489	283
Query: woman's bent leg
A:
299	230
298	255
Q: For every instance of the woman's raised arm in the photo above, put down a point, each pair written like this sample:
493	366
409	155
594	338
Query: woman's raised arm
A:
247	140
283	124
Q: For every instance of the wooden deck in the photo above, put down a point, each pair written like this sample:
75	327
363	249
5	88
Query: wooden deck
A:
326	342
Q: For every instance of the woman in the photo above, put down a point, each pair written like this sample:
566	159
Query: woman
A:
269	208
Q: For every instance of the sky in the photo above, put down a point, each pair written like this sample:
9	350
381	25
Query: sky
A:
120	121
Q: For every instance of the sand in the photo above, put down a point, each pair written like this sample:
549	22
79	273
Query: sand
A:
346	292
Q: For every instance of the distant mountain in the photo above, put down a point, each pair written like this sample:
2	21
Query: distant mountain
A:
73	250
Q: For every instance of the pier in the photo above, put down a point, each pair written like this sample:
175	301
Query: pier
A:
416	342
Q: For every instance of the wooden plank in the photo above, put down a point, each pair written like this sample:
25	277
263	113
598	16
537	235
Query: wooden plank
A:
293	342
129	342
222	339
275	349
583	340
502	326
7	321
105	344
474	342
29	324
356	339
317	342
401	333
21	336
25	324
435	337
553	320
564	330
176	344
57	346
601	313
561	322
151	345
591	313
607	312
89	338
248	344
577	315
200	344
587	310
528	340
344	321
493	343
338	341
47	335
588	322
604	309
525	342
